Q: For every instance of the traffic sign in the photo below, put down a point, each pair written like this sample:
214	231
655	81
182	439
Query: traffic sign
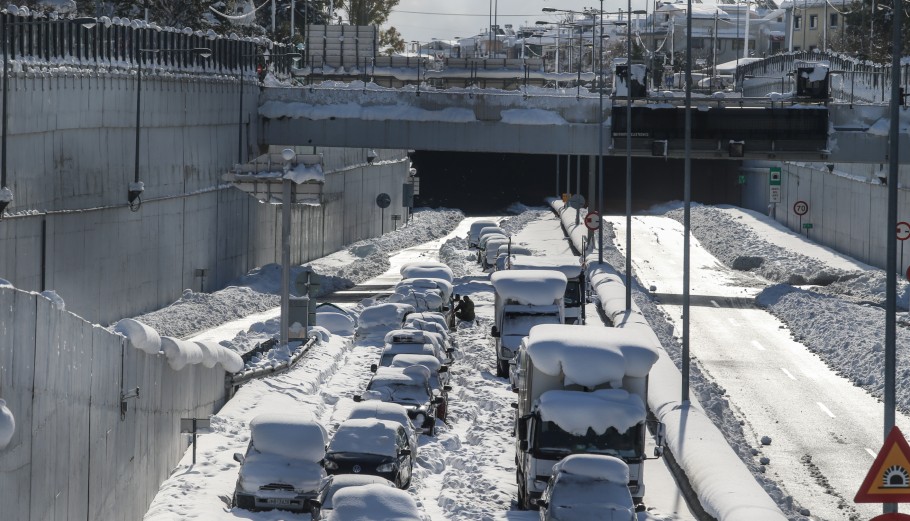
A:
592	220
577	201
807	226
800	208
775	194
903	231
774	176
888	480
383	200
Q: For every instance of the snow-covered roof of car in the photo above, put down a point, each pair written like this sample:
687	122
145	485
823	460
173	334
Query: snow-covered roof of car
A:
412	374
576	412
383	316
595	466
365	436
531	287
569	265
293	435
427	269
406	360
379	410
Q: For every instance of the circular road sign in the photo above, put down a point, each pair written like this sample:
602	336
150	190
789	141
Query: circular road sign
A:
577	201
800	207
903	231
592	220
383	200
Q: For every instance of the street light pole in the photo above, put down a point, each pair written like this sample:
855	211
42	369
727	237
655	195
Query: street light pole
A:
288	155
600	141
629	158
687	212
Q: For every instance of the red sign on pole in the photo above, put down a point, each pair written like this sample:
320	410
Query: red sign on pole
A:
888	480
592	220
903	231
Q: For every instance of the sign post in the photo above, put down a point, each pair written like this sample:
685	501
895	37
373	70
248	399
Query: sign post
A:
801	208
903	233
383	201
192	426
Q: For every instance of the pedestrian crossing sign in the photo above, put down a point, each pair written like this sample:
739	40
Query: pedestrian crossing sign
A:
888	480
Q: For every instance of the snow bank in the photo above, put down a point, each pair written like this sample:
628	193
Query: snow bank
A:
595	466
7	425
373	502
230	361
56	300
576	412
529	287
365	436
271	432
141	336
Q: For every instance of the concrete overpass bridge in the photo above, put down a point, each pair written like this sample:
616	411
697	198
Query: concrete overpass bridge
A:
544	121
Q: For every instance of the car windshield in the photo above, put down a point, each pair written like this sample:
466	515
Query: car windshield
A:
552	439
401	393
583	494
518	325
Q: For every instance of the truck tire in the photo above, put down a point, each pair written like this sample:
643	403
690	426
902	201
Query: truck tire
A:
522	495
502	368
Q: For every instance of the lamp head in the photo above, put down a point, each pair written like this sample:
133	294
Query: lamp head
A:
371	156
288	154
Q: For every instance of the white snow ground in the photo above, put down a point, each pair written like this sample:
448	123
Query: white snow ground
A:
466	471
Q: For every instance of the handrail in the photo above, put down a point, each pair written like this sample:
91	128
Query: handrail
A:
233	381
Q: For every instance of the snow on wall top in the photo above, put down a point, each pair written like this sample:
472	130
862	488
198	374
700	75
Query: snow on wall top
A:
569	265
141	336
529	287
576	412
595	466
271	432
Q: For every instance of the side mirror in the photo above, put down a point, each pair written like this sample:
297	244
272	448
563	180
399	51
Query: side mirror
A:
450	350
514	405
373	368
446	388
238	457
443	369
405	452
523	444
515	390
314	503
494	332
542	503
358	398
438	400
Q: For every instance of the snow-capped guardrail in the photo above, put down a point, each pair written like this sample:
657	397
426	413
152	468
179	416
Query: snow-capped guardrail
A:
295	351
695	444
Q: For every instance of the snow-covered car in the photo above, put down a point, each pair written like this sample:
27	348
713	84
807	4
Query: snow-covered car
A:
431	321
491	250
425	294
508	251
281	467
482	243
323	505
588	486
439	378
380	318
405	337
380	410
370	446
409	387
474	230
374	502
427	269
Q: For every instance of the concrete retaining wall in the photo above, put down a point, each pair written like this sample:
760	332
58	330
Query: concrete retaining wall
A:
74	455
71	159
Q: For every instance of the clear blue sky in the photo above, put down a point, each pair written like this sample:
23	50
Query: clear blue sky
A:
445	19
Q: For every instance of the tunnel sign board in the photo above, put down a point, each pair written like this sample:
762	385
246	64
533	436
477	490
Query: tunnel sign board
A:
774	176
888	480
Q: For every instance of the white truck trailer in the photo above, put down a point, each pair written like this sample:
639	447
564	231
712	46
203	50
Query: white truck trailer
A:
570	266
523	299
581	390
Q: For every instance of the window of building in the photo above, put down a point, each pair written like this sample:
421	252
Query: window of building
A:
833	22
797	22
813	21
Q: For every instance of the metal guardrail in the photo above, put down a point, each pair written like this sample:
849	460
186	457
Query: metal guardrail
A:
232	382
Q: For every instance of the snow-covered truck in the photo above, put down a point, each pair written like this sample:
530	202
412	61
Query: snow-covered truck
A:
570	266
523	299
581	392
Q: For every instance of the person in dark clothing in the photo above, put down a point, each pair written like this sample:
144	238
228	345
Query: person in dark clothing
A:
464	310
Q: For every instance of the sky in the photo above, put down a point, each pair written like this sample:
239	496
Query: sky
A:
423	20
465	471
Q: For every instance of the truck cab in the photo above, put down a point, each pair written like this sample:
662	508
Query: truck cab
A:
570	266
523	299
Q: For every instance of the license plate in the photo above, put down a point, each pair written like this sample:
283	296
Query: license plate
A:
279	501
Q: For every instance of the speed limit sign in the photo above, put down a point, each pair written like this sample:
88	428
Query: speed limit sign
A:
592	220
800	208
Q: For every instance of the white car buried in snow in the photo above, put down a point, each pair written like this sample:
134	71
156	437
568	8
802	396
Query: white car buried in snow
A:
583	487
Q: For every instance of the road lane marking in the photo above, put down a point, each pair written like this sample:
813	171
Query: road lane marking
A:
788	373
871	452
758	345
715	304
826	410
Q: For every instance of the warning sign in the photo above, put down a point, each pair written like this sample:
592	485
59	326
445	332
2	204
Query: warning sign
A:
888	480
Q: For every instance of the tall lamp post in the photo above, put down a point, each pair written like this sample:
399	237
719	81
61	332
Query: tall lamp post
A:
6	194
137	187
292	55
629	154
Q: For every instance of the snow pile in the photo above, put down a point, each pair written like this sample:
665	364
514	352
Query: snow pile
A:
529	287
336	323
365	436
594	466
141	336
180	353
7	425
210	353
374	502
382	317
576	412
56	300
271	432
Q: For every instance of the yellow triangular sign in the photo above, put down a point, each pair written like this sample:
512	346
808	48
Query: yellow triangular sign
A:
888	480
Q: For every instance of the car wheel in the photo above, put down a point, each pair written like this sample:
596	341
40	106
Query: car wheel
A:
502	368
